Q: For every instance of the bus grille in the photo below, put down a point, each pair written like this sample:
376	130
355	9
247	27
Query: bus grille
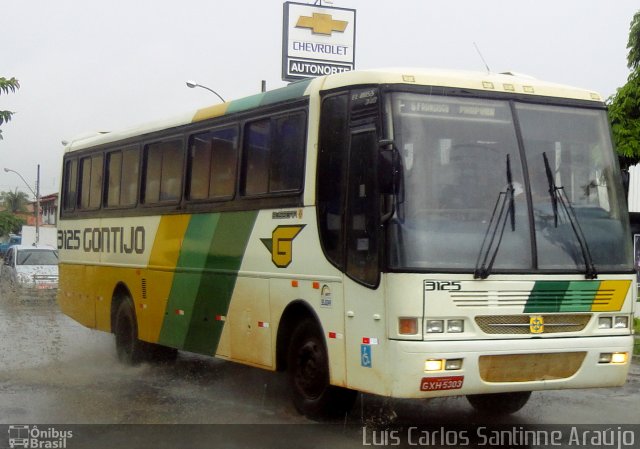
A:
520	325
530	367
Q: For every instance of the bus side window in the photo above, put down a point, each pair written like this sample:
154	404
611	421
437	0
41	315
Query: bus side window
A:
287	156
172	161
69	192
90	175
122	178
163	171
199	163
224	161
362	209
257	148
331	176
211	164
273	159
114	174
129	181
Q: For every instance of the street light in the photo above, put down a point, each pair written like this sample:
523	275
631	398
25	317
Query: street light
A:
36	194
193	84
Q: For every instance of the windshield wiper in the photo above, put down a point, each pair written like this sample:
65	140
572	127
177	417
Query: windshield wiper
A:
505	207
559	196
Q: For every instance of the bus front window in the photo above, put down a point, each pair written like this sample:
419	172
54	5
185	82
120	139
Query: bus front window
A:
454	168
454	161
581	160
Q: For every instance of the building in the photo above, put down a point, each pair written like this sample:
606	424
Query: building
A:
49	209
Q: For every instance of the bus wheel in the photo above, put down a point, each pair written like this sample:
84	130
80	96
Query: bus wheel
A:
499	403
308	366
161	354
130	350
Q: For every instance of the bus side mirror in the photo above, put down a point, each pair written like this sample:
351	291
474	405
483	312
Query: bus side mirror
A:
388	167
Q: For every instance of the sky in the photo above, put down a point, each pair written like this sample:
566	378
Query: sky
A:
89	66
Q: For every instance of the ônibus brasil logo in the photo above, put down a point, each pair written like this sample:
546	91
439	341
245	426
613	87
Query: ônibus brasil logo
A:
31	437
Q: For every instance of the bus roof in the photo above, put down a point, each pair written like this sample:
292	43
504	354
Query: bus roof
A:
510	83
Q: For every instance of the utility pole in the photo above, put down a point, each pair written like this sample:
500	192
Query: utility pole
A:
38	207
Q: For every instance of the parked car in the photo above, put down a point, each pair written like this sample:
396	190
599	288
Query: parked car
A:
14	239
31	268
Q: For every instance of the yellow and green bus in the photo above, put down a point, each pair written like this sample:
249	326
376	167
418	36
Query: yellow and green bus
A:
408	233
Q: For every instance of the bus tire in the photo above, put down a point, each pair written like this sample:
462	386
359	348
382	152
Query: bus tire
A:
129	348
308	370
161	354
499	403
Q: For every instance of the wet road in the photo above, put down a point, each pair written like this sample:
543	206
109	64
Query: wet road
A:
53	370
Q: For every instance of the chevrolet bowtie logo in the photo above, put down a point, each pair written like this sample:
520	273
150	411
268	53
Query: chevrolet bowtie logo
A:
321	24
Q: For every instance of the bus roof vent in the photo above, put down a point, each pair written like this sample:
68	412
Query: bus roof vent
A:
518	74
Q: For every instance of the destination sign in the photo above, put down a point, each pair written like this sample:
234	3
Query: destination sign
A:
485	111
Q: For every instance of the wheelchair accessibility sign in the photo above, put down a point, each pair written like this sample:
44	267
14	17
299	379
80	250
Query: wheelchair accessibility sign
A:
365	356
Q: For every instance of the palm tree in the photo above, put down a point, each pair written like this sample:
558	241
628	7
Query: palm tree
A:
15	201
6	86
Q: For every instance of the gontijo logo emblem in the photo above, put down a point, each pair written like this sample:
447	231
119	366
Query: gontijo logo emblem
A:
321	24
281	244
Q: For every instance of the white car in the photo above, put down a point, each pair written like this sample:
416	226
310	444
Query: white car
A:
31	267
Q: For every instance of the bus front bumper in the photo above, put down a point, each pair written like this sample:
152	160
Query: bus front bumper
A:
497	366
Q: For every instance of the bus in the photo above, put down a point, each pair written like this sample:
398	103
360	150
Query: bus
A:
408	233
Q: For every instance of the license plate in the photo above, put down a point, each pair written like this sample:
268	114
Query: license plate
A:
441	383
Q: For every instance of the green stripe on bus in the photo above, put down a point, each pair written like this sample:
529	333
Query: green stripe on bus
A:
219	256
188	276
290	92
244	104
216	287
293	90
562	296
546	296
580	296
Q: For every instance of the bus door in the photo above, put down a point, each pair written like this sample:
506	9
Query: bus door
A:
363	295
349	220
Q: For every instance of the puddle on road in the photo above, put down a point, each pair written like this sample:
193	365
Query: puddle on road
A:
36	333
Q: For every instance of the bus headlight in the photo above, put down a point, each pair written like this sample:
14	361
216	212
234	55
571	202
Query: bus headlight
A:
440	326
433	365
605	322
613	322
619	357
442	364
621	322
435	326
455	326
614	358
453	364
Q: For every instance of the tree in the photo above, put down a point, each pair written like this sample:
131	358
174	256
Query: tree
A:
624	113
15	201
9	223
624	106
6	86
633	57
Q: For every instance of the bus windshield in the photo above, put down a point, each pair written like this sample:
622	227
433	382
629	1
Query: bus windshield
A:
459	156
